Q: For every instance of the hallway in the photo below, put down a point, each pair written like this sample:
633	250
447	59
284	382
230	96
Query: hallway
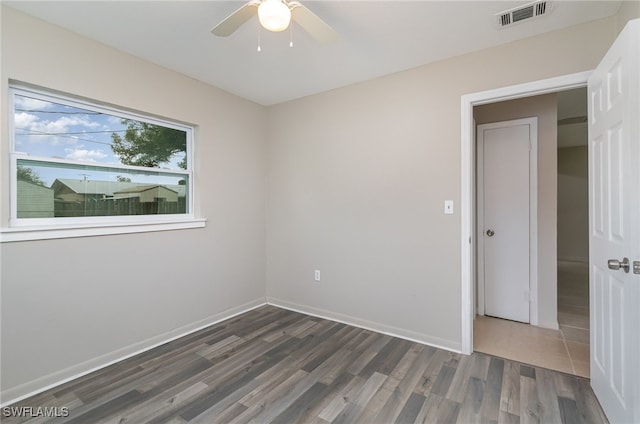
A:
566	349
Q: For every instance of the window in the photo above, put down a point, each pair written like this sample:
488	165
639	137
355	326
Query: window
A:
78	164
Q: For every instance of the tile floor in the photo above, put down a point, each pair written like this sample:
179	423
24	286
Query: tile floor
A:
566	349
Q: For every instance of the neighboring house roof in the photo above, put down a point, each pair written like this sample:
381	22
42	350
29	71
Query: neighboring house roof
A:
180	189
108	188
81	186
142	188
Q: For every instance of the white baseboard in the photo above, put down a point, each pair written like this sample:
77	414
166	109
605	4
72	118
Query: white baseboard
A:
553	325
30	388
367	325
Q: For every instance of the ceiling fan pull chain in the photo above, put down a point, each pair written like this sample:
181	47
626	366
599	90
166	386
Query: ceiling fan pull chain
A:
259	38
291	34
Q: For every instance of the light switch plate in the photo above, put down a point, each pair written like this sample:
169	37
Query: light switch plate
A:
448	207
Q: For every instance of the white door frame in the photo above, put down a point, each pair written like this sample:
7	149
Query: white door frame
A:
533	214
467	206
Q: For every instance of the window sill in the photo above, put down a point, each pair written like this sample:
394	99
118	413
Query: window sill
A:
13	234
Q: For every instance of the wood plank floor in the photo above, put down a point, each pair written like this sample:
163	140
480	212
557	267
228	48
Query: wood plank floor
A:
271	365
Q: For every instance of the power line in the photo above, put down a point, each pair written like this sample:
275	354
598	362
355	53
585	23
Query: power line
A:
65	136
61	112
72	133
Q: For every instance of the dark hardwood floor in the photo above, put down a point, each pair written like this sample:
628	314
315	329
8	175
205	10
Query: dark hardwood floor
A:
271	365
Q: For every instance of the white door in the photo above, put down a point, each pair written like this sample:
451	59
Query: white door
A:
504	196
614	210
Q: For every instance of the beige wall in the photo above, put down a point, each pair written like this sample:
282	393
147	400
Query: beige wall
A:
629	9
545	109
358	177
573	204
73	304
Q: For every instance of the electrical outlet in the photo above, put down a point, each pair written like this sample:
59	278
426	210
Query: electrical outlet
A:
316	275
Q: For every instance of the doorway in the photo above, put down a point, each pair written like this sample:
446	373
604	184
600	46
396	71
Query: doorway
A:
467	201
547	343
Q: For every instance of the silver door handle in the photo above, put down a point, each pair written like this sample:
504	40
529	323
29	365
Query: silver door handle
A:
490	233
615	264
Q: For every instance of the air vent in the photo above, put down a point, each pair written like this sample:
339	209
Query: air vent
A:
523	13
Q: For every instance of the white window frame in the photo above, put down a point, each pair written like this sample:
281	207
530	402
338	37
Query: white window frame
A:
21	229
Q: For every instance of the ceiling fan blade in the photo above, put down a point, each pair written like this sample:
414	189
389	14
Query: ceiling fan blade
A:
235	20
311	23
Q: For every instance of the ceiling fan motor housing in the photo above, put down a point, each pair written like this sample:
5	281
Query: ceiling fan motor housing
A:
274	15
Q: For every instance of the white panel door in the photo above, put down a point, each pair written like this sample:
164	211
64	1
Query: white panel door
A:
504	195
614	209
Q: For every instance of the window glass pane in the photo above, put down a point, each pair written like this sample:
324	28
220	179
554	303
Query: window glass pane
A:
55	130
50	189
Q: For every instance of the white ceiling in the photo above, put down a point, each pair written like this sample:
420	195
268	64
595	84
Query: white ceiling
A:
376	38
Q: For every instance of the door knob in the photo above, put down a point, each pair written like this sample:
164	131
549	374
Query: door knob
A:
615	264
490	233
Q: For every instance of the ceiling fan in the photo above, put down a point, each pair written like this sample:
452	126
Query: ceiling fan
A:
276	16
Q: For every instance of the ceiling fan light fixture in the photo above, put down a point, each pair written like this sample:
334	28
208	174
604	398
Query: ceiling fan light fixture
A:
274	15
